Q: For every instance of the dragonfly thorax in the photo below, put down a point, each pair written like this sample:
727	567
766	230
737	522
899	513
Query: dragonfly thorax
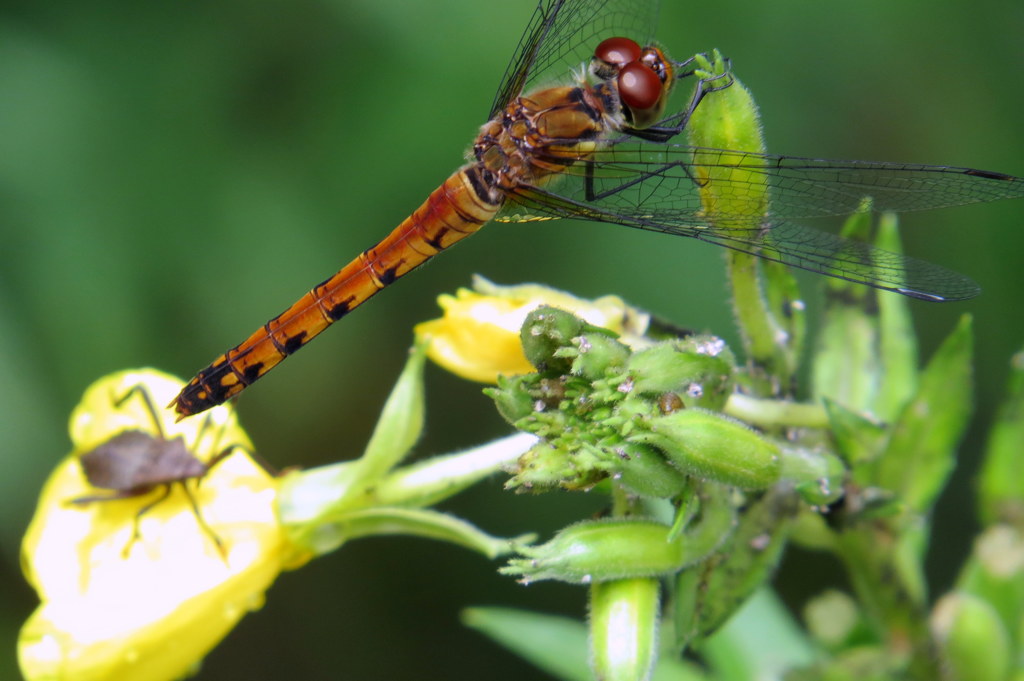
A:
538	135
542	132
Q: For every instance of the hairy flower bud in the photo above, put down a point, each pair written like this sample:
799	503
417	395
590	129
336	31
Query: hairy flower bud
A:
713	447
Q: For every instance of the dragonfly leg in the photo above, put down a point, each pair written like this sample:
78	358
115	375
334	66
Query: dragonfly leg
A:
676	123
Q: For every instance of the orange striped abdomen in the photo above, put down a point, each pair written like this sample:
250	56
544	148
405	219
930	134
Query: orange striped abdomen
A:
456	209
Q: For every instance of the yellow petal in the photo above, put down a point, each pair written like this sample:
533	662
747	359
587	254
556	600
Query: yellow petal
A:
148	609
478	335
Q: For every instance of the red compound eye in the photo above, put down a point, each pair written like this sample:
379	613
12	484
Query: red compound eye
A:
617	51
639	87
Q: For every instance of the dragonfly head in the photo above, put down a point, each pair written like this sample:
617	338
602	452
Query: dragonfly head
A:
642	76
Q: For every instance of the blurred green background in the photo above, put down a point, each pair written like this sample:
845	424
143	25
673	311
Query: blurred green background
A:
173	174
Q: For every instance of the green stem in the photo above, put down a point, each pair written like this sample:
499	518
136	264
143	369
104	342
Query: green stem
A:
764	340
892	600
767	413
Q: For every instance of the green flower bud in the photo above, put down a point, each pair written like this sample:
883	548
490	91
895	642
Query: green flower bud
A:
624	629
635	412
727	120
972	640
545	331
619	549
995	572
512	398
832	618
712	447
545	466
699	369
602	550
596	354
644	471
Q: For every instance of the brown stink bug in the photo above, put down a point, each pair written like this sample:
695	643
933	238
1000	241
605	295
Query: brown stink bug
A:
133	463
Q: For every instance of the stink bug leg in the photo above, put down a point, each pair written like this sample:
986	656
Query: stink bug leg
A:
135	462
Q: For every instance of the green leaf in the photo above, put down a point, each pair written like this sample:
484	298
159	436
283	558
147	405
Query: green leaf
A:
708	594
859	440
762	641
898	339
1001	486
401	420
557	645
322	508
921	451
846	366
816	473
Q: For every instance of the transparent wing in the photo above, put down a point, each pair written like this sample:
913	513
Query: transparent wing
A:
637	176
562	35
663	187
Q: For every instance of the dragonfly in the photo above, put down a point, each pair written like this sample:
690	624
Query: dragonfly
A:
582	126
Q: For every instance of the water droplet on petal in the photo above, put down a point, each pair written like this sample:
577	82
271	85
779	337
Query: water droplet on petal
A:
256	601
231	611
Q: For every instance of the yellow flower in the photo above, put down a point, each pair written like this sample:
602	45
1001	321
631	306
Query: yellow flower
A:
147	607
477	338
